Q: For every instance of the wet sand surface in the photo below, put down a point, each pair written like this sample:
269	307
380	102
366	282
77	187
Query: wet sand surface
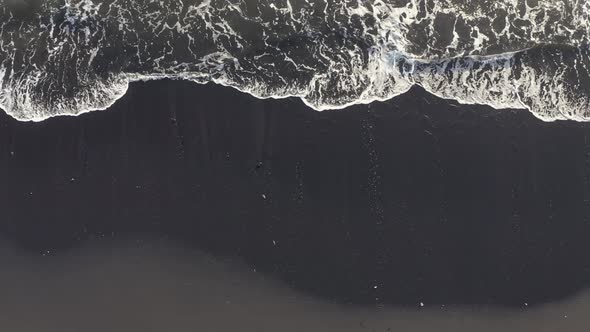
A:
413	214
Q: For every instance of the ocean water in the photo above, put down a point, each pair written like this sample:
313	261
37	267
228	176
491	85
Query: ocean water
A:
66	57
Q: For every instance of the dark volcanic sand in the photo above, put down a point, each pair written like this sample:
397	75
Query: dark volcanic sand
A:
428	200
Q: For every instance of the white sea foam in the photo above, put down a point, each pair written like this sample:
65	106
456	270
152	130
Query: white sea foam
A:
76	56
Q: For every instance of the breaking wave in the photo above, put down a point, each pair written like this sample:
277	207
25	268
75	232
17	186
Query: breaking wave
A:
66	57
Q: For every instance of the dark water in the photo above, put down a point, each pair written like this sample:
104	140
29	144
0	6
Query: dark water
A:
64	57
361	214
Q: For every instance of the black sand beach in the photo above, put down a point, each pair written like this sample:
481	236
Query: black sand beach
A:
411	200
